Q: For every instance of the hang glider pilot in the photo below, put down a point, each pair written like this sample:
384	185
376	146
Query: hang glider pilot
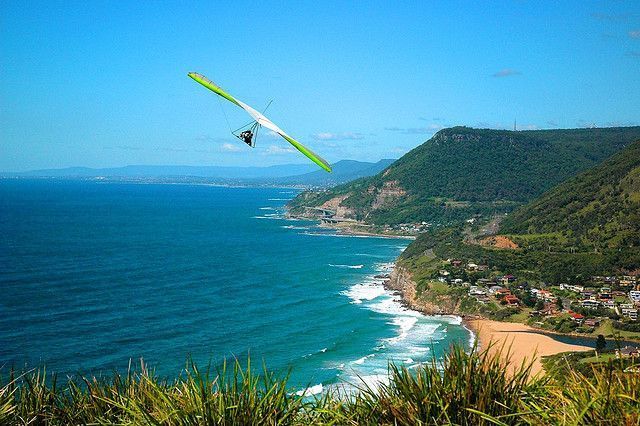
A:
246	137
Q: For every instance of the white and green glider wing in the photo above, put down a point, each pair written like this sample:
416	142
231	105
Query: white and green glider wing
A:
260	119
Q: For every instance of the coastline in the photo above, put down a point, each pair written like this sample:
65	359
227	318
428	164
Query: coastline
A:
519	343
348	230
522	343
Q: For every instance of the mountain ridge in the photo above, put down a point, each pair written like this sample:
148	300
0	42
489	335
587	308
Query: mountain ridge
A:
463	172
287	174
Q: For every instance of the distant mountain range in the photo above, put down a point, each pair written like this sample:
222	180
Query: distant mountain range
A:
343	171
287	174
461	172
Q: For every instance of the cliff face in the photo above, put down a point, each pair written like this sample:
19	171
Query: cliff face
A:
387	195
429	304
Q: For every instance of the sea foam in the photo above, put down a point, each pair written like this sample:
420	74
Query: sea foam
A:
346	266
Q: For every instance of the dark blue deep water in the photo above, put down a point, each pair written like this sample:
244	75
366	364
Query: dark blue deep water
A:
95	274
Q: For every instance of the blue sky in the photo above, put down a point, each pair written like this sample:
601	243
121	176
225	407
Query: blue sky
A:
104	84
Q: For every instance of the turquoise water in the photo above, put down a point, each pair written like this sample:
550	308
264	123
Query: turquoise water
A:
93	275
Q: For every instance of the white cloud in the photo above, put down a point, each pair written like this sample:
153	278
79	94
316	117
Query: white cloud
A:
507	72
328	136
230	147
275	150
273	135
425	130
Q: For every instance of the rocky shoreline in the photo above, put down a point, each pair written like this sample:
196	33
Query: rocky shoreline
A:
401	283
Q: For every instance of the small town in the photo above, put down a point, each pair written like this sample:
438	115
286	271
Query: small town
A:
606	305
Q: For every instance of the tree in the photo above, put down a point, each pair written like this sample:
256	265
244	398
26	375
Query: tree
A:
601	343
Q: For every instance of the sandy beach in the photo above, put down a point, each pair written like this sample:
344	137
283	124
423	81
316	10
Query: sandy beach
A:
523	341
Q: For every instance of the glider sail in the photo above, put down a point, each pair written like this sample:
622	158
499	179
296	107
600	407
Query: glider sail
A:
260	119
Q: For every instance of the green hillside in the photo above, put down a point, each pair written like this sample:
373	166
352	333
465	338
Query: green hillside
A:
461	172
588	225
597	209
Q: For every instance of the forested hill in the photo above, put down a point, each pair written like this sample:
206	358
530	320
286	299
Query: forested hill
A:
599	208
461	172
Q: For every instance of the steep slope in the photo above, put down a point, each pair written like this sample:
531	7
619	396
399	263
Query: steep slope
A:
599	208
461	172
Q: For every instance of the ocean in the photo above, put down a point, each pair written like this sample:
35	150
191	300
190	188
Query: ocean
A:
93	275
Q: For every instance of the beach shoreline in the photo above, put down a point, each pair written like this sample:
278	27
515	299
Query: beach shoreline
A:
521	343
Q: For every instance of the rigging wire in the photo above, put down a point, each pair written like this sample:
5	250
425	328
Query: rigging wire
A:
225	115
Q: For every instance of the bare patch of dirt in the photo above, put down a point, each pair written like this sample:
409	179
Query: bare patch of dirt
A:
498	241
390	191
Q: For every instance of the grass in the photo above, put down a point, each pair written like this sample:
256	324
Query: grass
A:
521	316
462	389
607	330
606	357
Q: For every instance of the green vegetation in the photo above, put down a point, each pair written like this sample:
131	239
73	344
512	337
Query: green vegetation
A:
527	263
586	363
463	388
597	210
463	172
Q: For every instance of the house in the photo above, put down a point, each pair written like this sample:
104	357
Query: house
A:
634	295
472	267
632	313
545	295
507	279
457	281
627	281
456	263
549	309
502	293
592	322
511	300
570	287
578	318
628	352
495	288
476	291
609	304
605	296
590	303
483	267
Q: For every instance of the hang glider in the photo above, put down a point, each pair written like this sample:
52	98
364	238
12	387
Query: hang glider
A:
259	120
